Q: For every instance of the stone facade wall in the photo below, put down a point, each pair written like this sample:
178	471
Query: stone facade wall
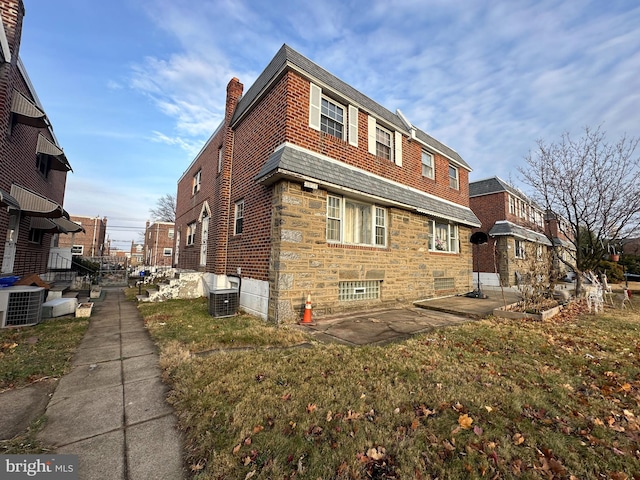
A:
303	262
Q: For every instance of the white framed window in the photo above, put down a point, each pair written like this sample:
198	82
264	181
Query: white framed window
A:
427	165
329	116
171	233
539	252
238	217
519	250
384	145
523	210
191	233
512	205
454	181
332	118
443	237
219	158
355	223
167	252
77	250
197	180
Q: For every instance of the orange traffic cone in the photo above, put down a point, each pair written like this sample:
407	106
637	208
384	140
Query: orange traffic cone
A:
306	319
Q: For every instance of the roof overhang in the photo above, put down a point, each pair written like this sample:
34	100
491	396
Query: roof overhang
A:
8	201
47	147
34	204
26	112
295	163
508	229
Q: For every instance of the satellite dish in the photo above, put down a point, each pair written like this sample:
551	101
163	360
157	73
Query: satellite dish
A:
479	238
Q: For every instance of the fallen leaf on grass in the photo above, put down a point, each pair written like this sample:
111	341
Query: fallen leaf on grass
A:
488	409
311	407
518	439
236	449
618	476
478	430
286	396
258	429
376	454
465	421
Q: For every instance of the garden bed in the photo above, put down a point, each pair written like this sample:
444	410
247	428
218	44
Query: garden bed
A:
516	311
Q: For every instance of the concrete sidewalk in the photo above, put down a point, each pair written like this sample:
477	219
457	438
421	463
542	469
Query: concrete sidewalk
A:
111	409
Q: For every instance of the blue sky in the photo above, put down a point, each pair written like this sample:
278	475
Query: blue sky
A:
135	87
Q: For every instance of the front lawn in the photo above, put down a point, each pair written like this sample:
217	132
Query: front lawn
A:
487	399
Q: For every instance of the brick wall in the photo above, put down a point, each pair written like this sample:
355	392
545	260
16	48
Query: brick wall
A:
18	151
158	237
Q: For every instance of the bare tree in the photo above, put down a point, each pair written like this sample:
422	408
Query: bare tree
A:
165	210
594	186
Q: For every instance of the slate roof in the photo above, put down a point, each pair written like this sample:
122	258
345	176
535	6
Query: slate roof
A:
289	58
504	228
292	162
492	185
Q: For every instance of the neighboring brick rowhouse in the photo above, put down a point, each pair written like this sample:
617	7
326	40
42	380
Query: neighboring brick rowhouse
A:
28	251
158	244
91	242
507	217
269	220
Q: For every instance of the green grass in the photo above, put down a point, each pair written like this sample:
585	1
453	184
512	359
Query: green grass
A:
25	443
28	354
488	399
188	323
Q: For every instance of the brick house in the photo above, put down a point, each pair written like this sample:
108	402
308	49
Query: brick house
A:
90	242
158	244
310	187
516	228
33	167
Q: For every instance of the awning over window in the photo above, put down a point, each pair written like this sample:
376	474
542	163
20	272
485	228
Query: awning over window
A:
34	204
47	147
26	112
67	225
55	225
8	200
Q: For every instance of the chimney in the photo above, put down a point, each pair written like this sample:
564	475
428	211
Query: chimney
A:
12	15
234	93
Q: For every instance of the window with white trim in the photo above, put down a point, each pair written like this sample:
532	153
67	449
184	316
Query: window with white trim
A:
171	233
519	250
329	116
383	143
238	217
197	180
332	118
356	223
427	165
77	250
219	158
443	237
167	252
454	181
191	233
512	205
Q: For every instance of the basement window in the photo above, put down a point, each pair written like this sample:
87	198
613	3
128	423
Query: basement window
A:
359	290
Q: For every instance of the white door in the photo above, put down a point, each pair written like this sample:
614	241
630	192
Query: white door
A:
203	244
10	245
